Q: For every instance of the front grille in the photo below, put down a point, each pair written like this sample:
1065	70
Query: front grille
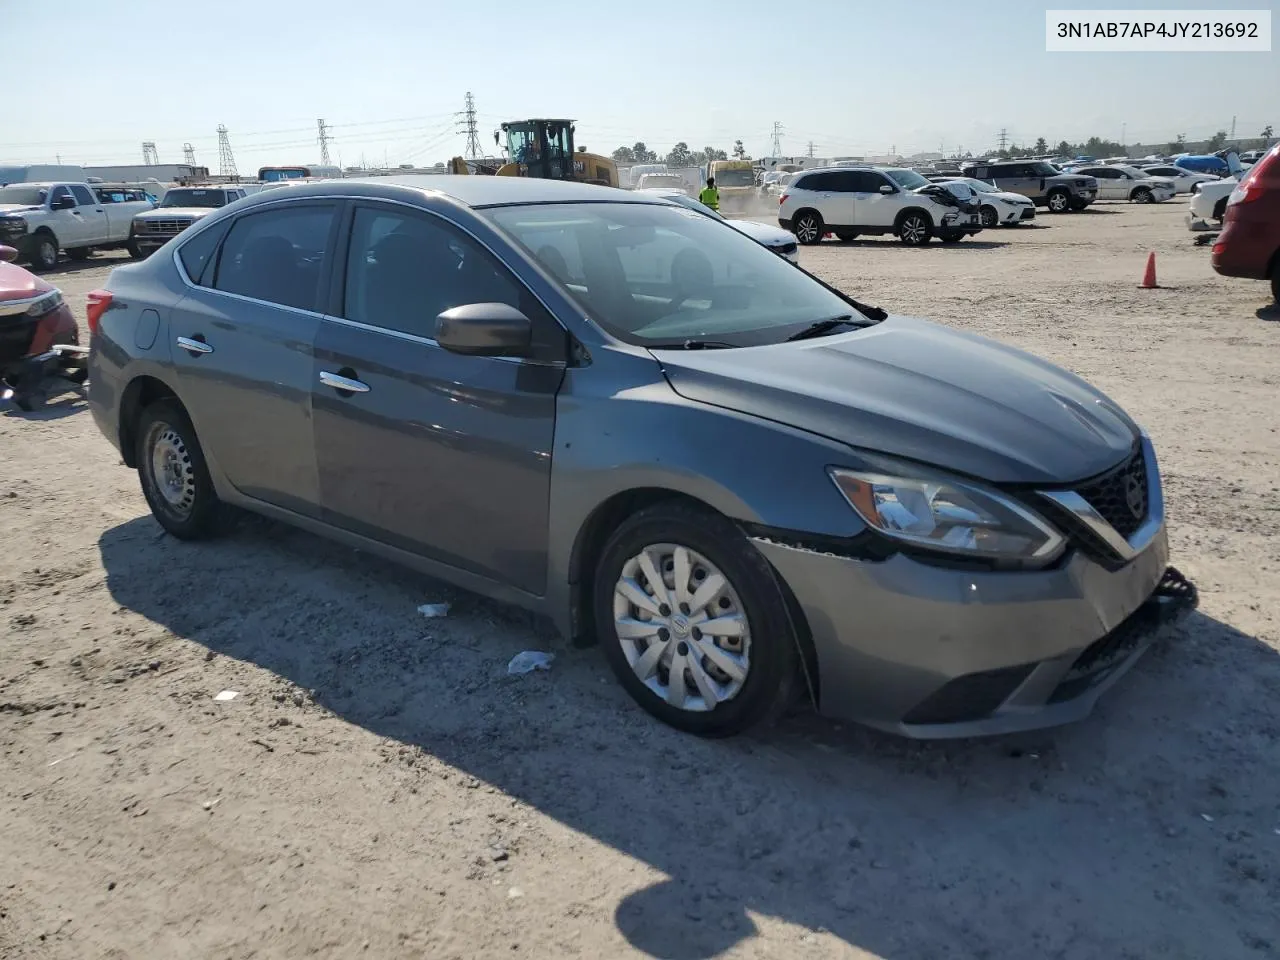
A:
168	228
1120	495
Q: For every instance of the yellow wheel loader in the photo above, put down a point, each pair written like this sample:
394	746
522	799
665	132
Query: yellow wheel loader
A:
543	149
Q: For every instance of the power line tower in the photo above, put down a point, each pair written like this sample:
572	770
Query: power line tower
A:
323	139
467	124
811	148
189	154
1004	138
149	155
226	162
777	139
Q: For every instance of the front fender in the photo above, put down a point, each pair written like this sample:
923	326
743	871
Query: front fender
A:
621	428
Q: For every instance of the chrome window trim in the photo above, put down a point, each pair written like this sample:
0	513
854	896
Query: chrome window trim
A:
372	328
1145	534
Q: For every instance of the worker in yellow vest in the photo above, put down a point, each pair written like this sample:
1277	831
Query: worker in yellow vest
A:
710	196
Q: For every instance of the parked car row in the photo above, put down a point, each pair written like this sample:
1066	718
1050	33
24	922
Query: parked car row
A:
40	220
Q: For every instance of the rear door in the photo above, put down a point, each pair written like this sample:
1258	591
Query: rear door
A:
443	455
1111	185
242	346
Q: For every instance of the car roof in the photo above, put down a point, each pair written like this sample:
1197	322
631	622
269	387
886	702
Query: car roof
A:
470	190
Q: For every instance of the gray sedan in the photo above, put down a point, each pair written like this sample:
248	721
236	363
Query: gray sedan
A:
746	486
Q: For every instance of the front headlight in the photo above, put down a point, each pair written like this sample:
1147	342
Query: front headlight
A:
13	224
46	304
949	515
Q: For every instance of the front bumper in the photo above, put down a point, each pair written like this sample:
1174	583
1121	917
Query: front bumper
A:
929	652
1020	214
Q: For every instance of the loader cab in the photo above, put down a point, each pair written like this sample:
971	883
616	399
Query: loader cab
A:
542	148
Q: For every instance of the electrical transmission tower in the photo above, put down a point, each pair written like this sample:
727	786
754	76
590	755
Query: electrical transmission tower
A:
467	124
189	154
811	148
777	139
149	155
1004	138
323	139
226	162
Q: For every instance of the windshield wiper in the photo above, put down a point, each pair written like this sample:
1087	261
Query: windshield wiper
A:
822	327
692	345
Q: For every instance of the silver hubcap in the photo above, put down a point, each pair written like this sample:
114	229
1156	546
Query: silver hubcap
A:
47	252
1057	203
806	229
912	230
682	627
1143	196
171	470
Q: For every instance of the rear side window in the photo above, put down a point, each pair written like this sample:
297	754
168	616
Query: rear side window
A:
817	181
196	254
278	255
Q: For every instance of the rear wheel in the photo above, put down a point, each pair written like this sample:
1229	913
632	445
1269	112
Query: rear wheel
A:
80	253
846	236
44	251
914	229
989	217
173	473
1059	201
135	251
693	621
808	227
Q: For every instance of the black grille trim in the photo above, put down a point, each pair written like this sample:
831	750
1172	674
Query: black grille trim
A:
1109	494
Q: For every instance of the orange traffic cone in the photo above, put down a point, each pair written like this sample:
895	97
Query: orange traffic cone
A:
1149	277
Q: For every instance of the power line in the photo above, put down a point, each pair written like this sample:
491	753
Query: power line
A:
323	139
226	162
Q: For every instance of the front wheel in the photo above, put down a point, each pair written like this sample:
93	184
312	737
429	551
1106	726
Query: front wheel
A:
915	229
693	621
989	217
135	251
1142	195
808	227
1059	201
174	475
44	251
1275	284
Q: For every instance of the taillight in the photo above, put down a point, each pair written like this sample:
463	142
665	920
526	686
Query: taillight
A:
782	199
99	301
1250	186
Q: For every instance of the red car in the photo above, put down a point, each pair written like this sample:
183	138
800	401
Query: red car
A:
1249	245
38	336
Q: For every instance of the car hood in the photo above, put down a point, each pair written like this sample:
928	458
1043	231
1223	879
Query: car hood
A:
762	232
17	283
18	207
1014	198
166	213
913	389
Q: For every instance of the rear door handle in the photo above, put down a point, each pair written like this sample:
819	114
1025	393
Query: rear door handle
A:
342	384
194	346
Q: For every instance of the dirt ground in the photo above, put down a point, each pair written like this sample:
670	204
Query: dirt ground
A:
380	787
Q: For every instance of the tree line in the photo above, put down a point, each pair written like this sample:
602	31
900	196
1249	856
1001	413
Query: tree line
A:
1099	147
679	156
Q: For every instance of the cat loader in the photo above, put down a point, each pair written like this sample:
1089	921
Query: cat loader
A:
542	149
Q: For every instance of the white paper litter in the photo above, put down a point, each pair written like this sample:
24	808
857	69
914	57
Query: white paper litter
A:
1206	818
434	609
227	695
528	661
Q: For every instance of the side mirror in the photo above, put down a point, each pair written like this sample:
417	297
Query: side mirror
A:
64	202
885	188
485	330
8	254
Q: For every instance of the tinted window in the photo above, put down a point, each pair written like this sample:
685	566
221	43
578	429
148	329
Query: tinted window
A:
866	181
278	255
817	181
59	192
405	269
83	196
1008	170
980	172
196	253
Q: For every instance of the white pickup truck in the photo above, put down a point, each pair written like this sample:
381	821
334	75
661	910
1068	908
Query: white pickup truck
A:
41	219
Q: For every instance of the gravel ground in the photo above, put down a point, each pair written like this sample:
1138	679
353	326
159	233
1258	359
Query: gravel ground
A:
380	787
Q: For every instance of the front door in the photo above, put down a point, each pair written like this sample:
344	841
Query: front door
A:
242	344
69	224
93	215
443	455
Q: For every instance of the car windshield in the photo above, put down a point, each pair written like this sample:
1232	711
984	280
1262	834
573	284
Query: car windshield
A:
907	179
692	204
980	185
24	195
1044	169
735	178
194	198
660	180
653	274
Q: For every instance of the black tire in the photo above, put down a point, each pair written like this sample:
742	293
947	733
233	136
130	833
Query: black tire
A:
952	237
773	653
846	236
44	251
1078	205
808	227
1142	195
79	253
1058	201
77	375
989	217
914	228
200	514
1220	209
135	251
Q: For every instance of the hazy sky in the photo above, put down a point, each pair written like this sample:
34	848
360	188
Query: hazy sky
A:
854	77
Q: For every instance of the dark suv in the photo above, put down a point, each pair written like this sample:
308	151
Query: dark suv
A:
1041	181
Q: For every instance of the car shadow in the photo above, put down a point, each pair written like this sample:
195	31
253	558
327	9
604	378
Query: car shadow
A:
1104	839
61	403
934	244
1270	312
69	267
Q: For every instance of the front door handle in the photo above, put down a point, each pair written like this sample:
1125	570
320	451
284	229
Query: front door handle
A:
342	384
195	346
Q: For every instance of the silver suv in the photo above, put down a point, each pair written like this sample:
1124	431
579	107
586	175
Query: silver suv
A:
1038	179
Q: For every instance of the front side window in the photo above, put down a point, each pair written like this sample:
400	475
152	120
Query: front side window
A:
654	274
278	255
59	192
907	179
83	196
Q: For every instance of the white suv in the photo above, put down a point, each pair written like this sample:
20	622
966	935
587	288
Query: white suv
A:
850	201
